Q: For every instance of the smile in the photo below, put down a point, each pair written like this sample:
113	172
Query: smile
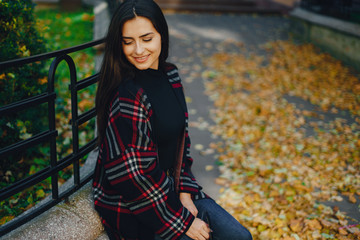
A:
141	59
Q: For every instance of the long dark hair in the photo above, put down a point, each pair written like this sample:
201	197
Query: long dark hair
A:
115	67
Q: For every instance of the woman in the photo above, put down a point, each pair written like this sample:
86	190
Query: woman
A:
143	186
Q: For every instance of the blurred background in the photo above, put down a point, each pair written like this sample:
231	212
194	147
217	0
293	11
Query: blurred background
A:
273	93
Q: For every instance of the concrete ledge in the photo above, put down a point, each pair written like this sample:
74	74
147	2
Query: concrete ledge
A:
338	37
73	219
329	22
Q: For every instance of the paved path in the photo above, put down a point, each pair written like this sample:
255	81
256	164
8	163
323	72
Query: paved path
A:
193	37
197	36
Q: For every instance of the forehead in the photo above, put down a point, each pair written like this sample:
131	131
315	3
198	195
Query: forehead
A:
137	26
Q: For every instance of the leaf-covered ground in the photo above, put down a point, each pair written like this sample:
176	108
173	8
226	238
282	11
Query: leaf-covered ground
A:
280	161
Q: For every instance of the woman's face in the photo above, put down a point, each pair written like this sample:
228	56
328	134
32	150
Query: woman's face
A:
141	43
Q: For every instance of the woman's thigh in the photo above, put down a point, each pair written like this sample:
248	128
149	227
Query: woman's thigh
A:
224	225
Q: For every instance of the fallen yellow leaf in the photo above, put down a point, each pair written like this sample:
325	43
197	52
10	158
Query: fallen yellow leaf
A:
352	198
296	225
313	224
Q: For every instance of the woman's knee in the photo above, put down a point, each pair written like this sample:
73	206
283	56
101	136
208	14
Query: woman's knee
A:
246	235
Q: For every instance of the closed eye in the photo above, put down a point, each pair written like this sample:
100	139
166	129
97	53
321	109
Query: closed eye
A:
127	42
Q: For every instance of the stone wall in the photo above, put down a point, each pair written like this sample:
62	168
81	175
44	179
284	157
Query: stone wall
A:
338	37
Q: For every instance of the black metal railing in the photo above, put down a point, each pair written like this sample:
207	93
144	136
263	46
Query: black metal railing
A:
49	136
343	9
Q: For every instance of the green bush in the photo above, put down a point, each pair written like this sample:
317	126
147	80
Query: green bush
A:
19	38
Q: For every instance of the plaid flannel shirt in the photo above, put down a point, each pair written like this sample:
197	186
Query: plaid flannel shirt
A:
133	195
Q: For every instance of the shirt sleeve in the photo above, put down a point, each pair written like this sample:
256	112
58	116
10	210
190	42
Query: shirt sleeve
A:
133	169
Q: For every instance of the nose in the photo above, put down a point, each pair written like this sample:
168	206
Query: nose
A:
139	49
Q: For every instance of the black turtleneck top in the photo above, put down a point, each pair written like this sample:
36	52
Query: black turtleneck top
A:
169	117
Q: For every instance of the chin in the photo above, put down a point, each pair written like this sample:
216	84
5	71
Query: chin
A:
141	66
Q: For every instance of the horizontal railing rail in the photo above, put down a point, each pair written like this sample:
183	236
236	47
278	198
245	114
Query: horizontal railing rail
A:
44	56
49	136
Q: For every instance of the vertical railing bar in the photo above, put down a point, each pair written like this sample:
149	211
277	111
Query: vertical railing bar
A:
74	121
51	112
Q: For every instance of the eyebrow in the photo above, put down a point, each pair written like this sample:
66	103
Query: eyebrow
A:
144	35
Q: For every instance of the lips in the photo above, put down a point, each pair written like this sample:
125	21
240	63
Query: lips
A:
141	59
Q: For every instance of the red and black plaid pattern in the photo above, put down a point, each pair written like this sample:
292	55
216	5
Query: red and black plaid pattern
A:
133	195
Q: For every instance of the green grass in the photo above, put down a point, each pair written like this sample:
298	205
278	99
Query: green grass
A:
63	30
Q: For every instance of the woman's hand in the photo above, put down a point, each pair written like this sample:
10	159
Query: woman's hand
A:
187	202
198	230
